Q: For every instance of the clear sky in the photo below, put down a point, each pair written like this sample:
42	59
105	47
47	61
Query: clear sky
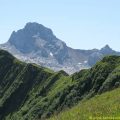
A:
82	24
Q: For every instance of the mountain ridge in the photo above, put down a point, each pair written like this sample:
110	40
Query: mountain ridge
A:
37	44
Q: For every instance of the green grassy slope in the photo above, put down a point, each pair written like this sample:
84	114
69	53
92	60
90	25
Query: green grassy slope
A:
104	107
29	92
17	79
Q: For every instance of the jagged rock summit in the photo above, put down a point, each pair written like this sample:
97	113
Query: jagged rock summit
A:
37	44
35	38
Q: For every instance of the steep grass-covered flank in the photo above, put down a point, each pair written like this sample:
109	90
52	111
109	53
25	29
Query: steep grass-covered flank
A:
100	107
31	92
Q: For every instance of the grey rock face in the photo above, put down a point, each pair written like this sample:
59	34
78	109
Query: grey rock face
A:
37	44
97	56
108	51
36	38
94	57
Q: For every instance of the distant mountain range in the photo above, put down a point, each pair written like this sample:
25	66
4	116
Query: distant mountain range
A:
37	44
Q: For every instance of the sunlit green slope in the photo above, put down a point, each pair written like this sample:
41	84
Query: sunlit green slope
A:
100	107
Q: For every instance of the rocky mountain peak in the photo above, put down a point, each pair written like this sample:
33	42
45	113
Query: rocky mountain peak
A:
106	50
107	47
39	40
30	31
32	37
38	29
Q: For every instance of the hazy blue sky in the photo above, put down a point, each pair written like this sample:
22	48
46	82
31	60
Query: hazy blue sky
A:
82	24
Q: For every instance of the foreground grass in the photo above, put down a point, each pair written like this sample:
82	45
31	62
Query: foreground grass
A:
105	106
